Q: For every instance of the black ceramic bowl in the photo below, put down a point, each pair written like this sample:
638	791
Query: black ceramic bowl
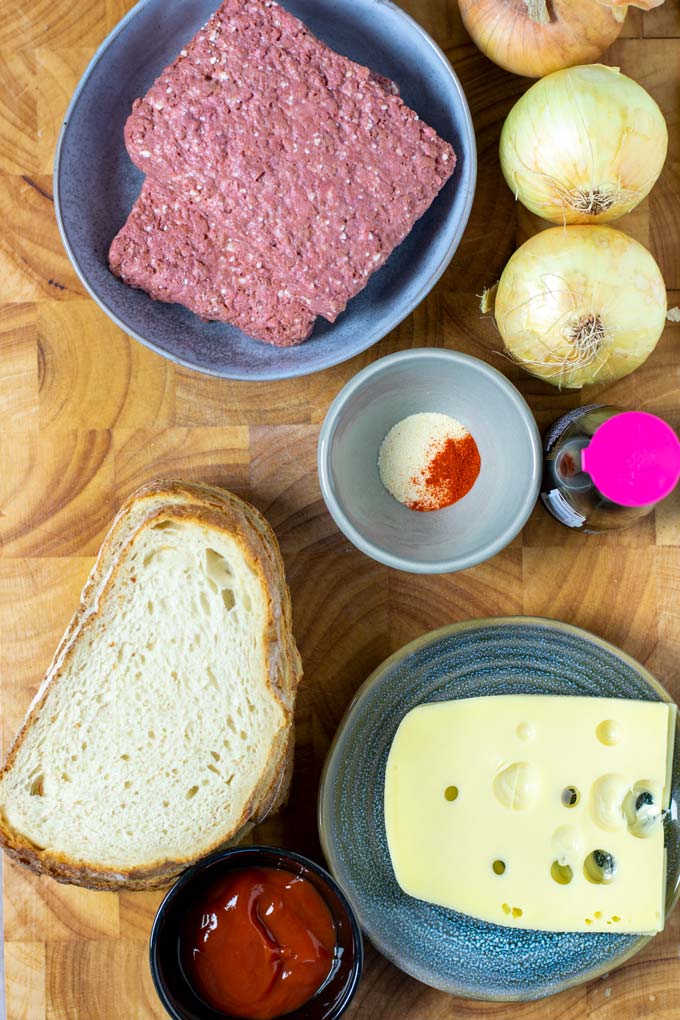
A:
172	985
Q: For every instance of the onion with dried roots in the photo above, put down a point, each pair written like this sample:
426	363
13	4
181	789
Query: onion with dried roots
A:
536	37
579	305
583	145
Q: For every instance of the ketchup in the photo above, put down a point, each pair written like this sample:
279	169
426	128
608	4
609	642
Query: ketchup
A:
260	943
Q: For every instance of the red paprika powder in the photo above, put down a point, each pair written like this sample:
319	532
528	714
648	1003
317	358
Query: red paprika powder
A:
449	475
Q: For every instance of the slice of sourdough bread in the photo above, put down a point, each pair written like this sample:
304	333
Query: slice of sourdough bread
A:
151	500
163	727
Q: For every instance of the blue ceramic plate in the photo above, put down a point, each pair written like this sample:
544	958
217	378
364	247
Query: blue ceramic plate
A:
96	184
442	948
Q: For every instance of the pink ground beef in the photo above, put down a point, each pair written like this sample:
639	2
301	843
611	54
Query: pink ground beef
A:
302	155
168	248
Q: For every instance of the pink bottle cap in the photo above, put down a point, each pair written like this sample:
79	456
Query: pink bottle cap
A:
633	459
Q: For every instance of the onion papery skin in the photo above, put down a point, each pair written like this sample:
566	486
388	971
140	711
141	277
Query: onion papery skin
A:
584	145
579	32
580	305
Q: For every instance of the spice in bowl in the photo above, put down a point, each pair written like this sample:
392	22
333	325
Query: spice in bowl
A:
428	461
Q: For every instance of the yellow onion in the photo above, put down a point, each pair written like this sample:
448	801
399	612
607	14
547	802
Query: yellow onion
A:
534	37
579	305
583	145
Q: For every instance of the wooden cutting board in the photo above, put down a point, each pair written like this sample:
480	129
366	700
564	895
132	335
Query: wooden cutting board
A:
86	415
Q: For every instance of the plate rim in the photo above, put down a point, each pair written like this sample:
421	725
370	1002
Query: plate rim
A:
429	637
296	371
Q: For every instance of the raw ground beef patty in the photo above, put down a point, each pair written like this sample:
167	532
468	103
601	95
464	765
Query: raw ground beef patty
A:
168	249
302	155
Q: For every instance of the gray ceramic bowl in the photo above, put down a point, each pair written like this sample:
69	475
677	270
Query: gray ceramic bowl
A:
480	524
445	949
95	183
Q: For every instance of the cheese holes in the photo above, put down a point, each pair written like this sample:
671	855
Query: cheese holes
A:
561	873
498	867
609	732
526	731
600	867
606	801
642	809
517	786
451	793
514	911
570	796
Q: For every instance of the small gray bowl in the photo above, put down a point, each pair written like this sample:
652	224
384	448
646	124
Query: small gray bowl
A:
479	525
96	184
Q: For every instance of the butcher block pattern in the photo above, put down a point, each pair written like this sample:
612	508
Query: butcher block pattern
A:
87	414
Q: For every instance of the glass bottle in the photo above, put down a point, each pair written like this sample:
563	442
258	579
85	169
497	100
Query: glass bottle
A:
606	468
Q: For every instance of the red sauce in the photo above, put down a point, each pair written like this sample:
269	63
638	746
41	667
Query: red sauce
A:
260	944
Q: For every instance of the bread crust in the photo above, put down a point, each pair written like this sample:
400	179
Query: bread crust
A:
222	511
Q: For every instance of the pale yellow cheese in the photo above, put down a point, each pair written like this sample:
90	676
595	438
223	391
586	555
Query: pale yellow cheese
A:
478	813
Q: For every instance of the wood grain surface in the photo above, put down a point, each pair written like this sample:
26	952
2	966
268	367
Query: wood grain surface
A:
87	414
